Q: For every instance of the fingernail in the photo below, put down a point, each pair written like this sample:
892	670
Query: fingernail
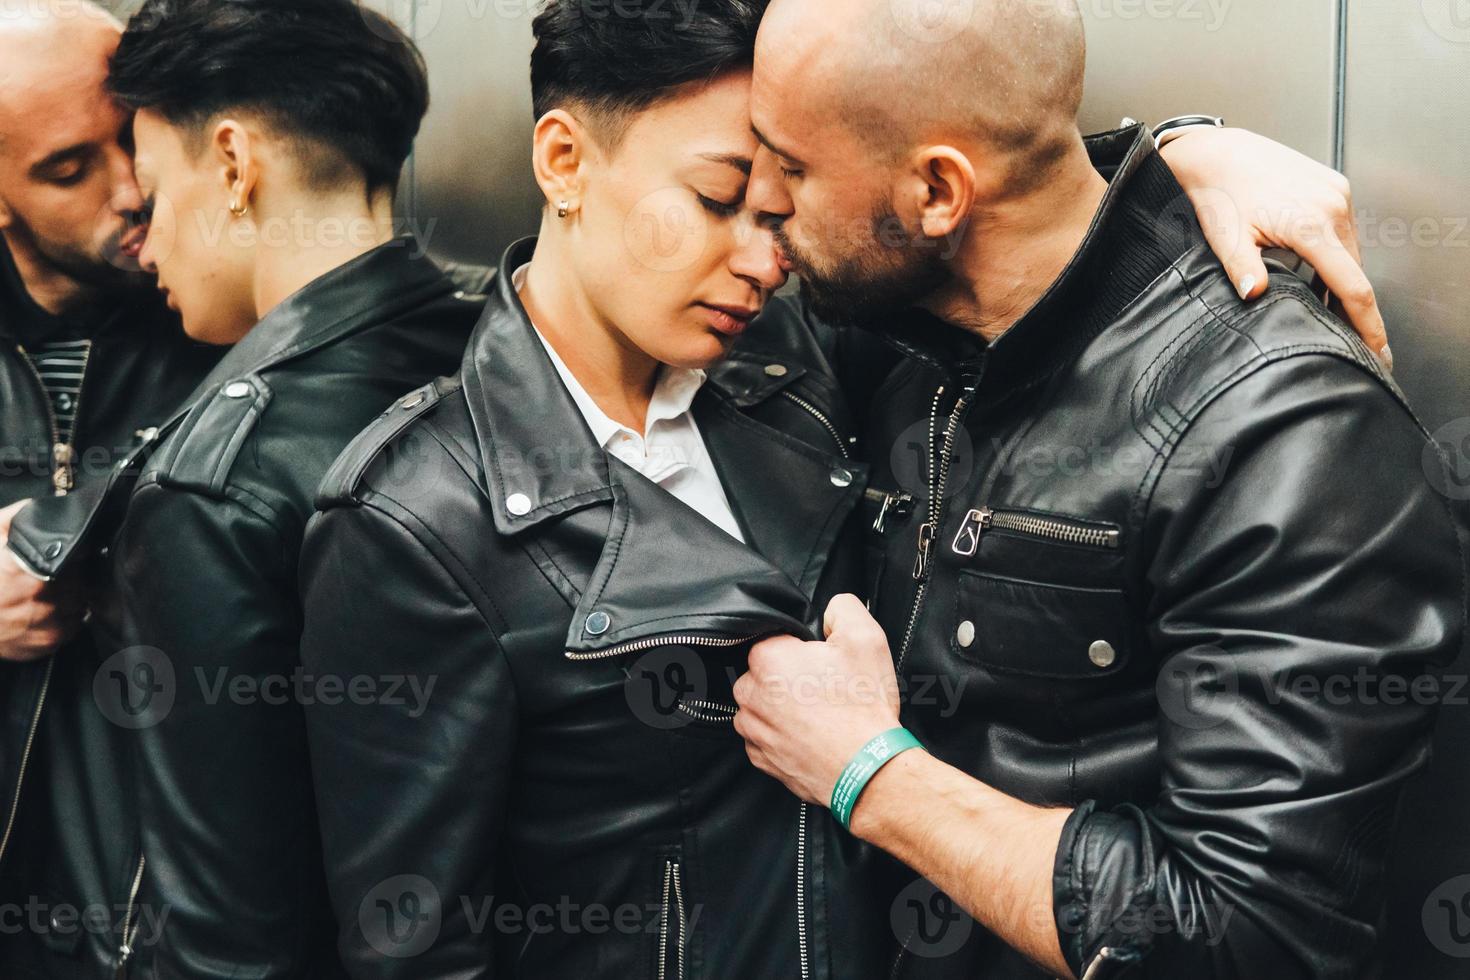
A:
1247	286
1385	357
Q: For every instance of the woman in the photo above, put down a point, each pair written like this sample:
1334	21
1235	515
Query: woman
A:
269	140
632	479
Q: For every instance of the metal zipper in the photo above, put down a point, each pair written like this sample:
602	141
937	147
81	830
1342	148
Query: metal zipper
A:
25	756
801	889
817	414
673	887
977	522
710	711
938	479
648	643
125	951
60	472
898	502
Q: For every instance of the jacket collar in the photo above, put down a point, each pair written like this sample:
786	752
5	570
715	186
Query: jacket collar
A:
540	458
541	461
1143	225
374	287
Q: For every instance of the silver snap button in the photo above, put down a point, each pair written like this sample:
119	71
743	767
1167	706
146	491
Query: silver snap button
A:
413	401
598	623
965	635
53	549
518	504
841	478
239	390
776	370
1102	654
460	294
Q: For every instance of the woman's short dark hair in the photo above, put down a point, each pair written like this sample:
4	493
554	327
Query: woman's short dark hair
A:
615	58
338	79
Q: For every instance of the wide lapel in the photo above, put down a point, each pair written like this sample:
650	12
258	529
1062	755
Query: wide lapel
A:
791	500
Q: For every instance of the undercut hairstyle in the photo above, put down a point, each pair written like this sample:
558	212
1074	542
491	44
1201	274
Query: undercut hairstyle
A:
338	81
608	61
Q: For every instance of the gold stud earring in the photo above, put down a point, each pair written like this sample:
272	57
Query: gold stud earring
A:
563	208
239	210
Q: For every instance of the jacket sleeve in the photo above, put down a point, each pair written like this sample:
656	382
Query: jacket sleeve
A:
1307	580
412	795
207	591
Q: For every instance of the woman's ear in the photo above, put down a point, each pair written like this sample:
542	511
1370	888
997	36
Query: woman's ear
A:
945	186
560	150
237	155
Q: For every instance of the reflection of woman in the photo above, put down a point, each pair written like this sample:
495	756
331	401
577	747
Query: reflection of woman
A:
597	520
269	138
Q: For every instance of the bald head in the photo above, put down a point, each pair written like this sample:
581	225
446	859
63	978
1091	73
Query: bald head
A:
1004	73
51	49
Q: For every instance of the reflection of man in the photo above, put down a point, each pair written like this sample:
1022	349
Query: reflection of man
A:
88	355
1145	769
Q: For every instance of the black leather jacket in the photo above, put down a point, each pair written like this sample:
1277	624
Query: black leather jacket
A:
572	800
62	763
204	621
1184	559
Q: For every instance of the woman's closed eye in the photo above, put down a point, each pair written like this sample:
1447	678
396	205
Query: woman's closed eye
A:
721	209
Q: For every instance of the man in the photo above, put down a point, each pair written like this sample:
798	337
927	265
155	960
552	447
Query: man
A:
88	356
1173	554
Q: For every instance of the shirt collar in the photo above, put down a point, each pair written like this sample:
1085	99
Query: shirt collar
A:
673	393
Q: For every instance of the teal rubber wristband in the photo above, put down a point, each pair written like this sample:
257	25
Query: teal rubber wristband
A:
869	759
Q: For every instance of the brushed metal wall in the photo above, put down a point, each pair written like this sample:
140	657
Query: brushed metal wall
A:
1266	65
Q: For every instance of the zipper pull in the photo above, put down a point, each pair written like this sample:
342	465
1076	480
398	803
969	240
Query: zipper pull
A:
927	530
124	954
898	502
63	478
967	541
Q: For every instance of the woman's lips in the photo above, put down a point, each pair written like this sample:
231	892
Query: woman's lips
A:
730	320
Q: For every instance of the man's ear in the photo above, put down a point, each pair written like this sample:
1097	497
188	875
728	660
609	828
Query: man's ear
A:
237	155
944	186
560	149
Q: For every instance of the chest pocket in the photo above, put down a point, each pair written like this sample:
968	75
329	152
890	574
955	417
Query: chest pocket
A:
1039	595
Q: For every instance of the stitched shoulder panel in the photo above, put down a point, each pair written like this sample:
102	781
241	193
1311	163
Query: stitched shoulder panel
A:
1207	340
200	454
340	486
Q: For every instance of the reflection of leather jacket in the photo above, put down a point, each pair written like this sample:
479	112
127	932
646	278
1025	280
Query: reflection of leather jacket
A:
59	757
573	800
201	607
1185	559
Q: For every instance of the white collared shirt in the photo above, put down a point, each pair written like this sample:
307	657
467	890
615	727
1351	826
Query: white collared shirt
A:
670	451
